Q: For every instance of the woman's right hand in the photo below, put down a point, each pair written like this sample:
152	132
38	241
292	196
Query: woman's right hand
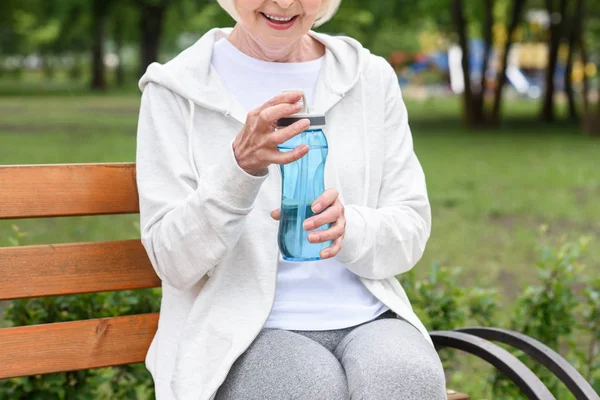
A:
255	146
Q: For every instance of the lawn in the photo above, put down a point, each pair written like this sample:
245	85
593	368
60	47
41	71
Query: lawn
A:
490	191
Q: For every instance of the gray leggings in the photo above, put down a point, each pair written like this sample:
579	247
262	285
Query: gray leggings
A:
383	359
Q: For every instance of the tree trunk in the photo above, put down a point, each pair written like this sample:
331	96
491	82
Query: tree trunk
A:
517	10
460	22
151	26
580	7
591	125
479	106
586	81
48	67
76	70
556	34
100	10
573	116
119	33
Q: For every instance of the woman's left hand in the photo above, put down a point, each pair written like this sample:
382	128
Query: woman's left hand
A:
333	214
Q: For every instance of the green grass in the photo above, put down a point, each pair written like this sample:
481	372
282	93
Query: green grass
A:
490	191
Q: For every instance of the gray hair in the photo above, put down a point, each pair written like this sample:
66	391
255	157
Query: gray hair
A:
328	10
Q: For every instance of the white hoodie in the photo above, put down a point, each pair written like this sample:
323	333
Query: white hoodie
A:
206	224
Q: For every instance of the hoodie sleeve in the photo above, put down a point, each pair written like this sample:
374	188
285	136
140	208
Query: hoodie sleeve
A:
187	226
389	240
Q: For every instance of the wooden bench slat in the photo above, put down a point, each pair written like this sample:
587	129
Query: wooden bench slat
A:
48	270
70	346
54	190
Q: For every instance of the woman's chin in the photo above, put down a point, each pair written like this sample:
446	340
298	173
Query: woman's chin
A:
275	43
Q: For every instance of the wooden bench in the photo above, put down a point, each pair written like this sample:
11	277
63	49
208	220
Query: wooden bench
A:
63	269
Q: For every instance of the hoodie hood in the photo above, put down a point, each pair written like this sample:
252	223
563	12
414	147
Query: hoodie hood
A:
191	76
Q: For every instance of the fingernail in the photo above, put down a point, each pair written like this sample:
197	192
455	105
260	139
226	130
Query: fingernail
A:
325	254
317	207
308	225
313	237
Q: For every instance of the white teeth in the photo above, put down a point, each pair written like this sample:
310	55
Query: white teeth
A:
278	18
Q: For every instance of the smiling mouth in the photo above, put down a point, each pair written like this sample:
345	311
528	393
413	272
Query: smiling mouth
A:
279	20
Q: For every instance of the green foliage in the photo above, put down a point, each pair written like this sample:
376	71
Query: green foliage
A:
554	313
15	240
443	302
588	360
130	382
85	306
545	311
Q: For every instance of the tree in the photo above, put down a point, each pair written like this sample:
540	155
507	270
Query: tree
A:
31	26
572	33
591	38
123	32
557	28
516	16
151	18
460	21
580	9
10	37
478	18
100	12
474	103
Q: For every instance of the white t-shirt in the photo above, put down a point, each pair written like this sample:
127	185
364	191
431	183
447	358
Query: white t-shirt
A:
316	295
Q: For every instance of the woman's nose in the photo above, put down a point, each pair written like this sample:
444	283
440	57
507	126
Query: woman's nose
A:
284	3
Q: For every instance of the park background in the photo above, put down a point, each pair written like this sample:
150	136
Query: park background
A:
508	135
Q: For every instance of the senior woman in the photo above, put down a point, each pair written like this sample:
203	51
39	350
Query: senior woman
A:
238	321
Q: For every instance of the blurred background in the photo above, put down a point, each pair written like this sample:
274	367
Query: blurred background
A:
503	102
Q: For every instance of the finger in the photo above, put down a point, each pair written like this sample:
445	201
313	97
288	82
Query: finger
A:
330	215
276	214
332	250
269	116
336	231
287	97
283	135
326	199
287	157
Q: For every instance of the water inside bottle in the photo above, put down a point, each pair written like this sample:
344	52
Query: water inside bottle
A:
302	183
291	247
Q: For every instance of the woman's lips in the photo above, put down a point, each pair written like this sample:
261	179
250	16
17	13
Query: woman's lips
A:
279	25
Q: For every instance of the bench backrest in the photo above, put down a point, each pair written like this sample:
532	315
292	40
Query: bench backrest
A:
74	268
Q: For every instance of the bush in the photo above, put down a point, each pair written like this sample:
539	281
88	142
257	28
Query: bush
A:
443	303
588	360
562	310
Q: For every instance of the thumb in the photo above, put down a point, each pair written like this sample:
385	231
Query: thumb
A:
275	214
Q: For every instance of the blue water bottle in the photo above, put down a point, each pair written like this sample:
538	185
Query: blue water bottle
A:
303	182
